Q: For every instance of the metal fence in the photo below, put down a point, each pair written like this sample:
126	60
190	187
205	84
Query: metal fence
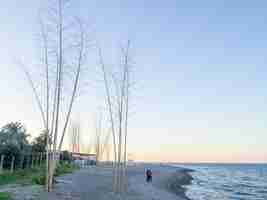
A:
23	161
10	163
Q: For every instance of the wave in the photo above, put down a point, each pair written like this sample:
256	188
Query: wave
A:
228	182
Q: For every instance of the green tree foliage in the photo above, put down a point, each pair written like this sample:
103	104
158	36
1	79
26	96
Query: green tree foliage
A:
10	150
13	142
14	133
5	196
39	143
66	156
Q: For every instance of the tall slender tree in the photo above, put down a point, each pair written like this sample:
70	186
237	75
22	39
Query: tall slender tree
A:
64	49
117	99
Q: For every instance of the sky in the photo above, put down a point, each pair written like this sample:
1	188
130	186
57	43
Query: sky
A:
200	73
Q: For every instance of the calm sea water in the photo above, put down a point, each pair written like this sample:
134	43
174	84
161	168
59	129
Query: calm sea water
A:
228	181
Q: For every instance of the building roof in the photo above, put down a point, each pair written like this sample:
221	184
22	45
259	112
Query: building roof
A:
82	154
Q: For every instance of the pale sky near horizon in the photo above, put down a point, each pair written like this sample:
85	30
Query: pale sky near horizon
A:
201	74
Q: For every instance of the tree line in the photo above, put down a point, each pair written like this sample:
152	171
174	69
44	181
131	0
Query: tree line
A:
15	145
16	149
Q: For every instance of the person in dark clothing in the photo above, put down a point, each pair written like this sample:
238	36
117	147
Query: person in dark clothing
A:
148	175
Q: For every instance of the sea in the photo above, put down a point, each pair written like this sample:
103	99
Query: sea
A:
227	182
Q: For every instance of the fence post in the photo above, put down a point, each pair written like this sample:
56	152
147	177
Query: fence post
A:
36	163
32	161
27	161
35	158
2	163
41	159
12	164
38	159
22	161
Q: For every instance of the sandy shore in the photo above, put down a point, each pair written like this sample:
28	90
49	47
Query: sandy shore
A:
96	183
167	182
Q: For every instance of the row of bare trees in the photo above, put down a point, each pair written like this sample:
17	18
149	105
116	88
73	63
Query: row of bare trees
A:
98	142
64	49
117	85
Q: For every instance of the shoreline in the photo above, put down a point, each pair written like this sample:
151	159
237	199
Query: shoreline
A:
168	182
96	183
178	180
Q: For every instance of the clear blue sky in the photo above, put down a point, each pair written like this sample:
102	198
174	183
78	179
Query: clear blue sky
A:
201	73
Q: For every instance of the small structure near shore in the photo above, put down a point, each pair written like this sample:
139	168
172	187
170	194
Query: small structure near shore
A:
84	159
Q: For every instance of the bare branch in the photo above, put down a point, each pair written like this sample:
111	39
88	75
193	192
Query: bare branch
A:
108	97
79	64
37	98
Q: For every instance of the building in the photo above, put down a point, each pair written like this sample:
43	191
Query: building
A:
84	158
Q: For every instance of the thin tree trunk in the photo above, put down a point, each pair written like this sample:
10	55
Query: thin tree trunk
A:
41	158
81	52
12	164
47	105
35	94
2	163
111	119
121	111
126	116
59	88
22	160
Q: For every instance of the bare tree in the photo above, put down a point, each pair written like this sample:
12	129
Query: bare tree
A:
117	99
64	49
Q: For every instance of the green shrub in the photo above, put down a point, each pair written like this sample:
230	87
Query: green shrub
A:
5	196
34	176
65	168
39	179
7	178
24	177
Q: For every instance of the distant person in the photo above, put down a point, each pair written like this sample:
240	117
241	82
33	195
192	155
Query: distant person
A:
148	175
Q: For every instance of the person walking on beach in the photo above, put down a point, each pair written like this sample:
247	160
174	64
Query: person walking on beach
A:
148	175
